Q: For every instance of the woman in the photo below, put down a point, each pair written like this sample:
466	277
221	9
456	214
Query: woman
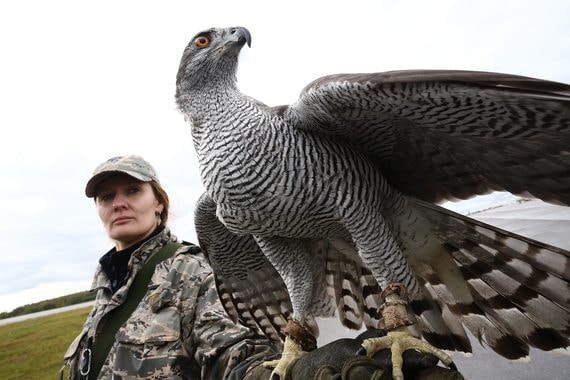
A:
179	329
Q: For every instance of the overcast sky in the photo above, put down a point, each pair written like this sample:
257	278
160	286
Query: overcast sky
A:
84	81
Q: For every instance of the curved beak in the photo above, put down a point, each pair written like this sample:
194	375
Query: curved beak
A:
241	35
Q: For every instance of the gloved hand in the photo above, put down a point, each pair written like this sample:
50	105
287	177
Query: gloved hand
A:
338	360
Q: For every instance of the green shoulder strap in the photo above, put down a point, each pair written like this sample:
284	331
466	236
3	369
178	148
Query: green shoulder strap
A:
116	317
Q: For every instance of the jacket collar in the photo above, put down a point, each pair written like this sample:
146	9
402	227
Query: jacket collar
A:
137	260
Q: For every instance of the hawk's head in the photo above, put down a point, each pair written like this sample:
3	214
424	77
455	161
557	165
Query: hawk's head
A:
211	58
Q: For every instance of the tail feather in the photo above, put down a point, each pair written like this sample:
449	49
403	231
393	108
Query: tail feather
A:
355	290
543	311
519	288
437	324
371	297
494	324
343	278
508	316
499	255
542	256
513	319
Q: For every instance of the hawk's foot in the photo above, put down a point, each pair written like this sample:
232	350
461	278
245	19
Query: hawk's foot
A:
399	339
291	352
298	340
398	342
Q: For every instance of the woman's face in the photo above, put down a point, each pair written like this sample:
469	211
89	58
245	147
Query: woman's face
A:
128	209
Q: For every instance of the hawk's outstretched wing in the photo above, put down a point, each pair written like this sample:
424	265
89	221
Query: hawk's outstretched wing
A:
439	135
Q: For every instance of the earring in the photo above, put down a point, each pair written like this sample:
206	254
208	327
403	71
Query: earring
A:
158	213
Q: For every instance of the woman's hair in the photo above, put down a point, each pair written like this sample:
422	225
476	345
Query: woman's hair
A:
162	198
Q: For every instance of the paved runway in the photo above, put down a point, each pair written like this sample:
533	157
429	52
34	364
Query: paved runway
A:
19	318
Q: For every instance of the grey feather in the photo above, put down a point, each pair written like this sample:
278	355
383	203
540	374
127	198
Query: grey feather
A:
446	134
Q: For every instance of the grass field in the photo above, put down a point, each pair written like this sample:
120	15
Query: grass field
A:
33	349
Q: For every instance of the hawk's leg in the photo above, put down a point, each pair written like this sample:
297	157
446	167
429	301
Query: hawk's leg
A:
399	339
303	274
375	239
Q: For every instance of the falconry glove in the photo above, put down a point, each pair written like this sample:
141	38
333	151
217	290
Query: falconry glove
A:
338	360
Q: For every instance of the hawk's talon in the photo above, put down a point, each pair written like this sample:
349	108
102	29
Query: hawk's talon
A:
291	352
270	363
361	352
398	342
399	339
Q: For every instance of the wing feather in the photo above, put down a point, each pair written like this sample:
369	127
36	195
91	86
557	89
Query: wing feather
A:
517	300
439	135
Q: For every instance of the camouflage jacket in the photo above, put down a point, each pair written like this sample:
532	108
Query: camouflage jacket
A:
178	331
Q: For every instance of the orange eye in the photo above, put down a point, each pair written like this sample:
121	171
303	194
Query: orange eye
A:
202	41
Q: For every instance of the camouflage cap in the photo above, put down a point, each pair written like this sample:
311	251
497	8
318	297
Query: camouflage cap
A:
134	166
